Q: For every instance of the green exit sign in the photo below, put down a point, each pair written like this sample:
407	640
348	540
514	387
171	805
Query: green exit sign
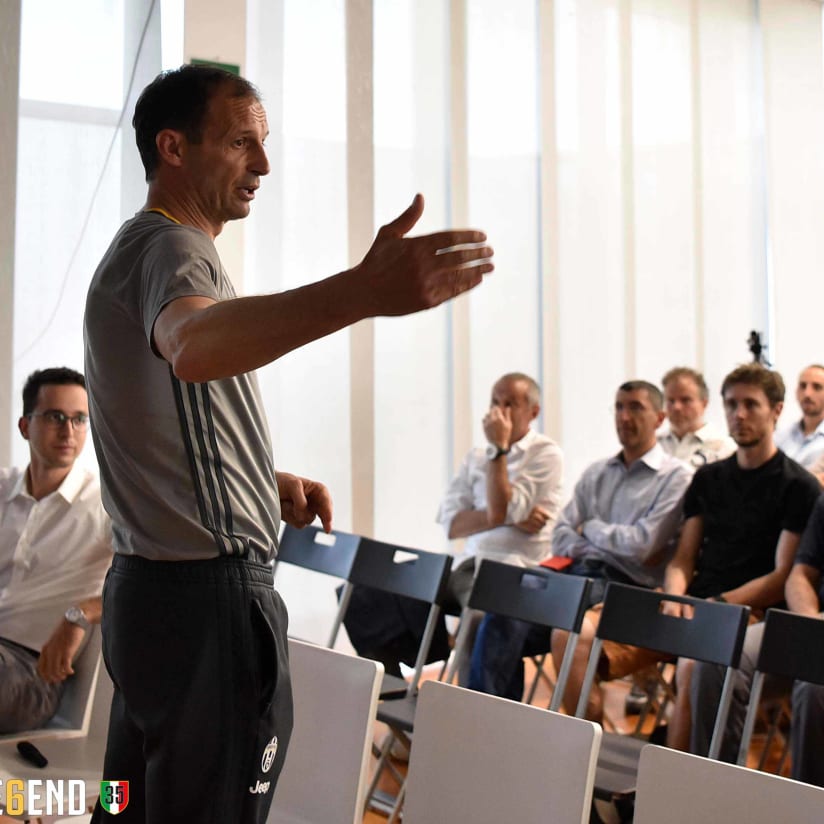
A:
227	67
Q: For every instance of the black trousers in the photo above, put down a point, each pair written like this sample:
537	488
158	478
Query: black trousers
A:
389	628
202	707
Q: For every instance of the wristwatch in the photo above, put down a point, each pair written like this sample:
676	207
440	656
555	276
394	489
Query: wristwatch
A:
75	615
493	452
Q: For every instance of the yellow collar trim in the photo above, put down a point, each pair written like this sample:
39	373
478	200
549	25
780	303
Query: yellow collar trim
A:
164	213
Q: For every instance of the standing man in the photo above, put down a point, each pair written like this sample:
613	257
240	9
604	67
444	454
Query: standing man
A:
55	548
804	440
689	438
194	634
744	517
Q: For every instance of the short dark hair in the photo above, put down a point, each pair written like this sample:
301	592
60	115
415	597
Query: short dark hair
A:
179	99
653	392
58	375
691	374
755	374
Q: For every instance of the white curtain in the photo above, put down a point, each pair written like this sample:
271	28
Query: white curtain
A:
75	184
650	173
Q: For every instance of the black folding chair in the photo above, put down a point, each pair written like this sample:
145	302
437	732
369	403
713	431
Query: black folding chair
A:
632	615
790	648
422	576
330	554
539	596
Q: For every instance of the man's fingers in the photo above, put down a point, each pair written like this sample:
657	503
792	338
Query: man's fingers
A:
460	257
450	238
405	221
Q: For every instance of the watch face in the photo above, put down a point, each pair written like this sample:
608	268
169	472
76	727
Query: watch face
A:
491	452
74	615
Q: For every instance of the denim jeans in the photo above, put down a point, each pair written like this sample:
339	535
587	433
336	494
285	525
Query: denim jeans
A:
497	666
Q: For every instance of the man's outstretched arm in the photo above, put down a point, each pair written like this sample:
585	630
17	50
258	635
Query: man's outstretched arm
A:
206	340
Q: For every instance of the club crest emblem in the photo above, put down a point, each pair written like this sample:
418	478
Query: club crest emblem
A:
269	755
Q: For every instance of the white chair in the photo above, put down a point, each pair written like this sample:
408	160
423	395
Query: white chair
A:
680	788
79	757
75	709
324	777
482	759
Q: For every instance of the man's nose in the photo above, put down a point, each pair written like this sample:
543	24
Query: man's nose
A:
260	162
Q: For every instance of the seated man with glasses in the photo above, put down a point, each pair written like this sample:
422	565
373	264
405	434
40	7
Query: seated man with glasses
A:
55	548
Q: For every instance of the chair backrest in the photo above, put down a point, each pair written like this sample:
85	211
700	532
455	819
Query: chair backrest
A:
313	549
787	645
324	777
413	573
789	649
331	554
399	570
485	759
714	633
537	595
632	615
74	711
680	788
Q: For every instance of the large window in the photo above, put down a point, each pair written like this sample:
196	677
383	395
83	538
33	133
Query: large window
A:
74	184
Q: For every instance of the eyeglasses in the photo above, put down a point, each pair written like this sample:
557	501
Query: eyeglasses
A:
58	419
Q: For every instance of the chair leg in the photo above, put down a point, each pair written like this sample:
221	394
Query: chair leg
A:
389	804
540	675
396	810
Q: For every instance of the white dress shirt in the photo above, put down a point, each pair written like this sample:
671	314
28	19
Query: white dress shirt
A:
706	445
803	449
54	553
535	468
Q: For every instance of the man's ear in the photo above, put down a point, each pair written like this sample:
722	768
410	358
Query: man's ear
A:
536	410
23	426
661	416
777	409
170	146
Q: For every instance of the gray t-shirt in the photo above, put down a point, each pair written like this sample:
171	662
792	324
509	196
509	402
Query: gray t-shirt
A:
186	468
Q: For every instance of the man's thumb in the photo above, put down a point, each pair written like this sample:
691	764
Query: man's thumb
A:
404	222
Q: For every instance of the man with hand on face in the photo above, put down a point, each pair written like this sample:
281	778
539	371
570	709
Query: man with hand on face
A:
505	498
55	549
689	438
194	634
503	501
621	520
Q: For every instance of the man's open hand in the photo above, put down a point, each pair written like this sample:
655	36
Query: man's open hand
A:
406	274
